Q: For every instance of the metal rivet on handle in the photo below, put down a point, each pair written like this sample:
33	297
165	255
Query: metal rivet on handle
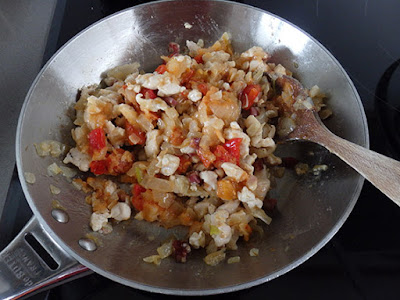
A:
87	244
60	215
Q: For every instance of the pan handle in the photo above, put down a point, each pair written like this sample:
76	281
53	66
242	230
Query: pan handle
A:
33	261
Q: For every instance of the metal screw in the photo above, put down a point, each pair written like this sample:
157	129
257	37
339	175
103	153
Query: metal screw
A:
60	215
87	244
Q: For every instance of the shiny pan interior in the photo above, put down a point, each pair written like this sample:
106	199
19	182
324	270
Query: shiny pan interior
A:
311	209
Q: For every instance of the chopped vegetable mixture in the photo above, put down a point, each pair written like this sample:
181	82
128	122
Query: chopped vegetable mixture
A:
194	141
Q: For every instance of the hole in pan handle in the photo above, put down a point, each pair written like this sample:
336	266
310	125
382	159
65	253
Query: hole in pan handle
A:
33	262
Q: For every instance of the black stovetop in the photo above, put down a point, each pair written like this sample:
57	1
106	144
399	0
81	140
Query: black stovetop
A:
362	261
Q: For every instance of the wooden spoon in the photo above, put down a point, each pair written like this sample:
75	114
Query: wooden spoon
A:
383	172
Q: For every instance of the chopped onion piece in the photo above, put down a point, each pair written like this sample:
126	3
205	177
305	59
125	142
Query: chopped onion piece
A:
285	126
157	184
234	259
259	213
68	172
317	169
77	185
254	252
165	249
50	147
53	169
54	190
153	259
163	199
30	177
308	103
215	258
301	168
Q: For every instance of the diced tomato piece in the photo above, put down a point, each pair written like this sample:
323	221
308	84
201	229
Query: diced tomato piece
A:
187	75
233	146
99	167
228	152
137	202
161	69
222	155
199	58
203	88
148	94
138	189
184	164
249	95
177	137
205	156
124	86
137	198
97	139
134	135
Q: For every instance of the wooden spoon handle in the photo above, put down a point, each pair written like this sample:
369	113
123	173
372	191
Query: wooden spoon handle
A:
383	172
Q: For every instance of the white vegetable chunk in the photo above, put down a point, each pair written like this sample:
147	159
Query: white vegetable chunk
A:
77	158
121	211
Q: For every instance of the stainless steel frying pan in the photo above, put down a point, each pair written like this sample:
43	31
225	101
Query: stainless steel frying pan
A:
311	209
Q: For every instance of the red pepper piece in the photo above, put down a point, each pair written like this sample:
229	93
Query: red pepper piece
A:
186	76
222	155
134	135
199	59
203	88
137	198
161	69
228	152
184	164
249	95
233	146
97	139
99	167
